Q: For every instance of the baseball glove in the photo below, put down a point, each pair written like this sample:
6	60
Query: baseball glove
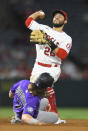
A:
38	37
41	37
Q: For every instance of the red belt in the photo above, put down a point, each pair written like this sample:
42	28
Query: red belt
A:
47	65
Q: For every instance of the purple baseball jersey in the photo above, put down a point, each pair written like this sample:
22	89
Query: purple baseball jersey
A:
24	102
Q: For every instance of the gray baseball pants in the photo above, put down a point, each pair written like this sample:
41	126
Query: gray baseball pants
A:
44	116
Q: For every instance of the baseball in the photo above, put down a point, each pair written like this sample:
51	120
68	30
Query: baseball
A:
42	13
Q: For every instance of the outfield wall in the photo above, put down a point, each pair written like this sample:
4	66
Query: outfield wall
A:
72	93
69	93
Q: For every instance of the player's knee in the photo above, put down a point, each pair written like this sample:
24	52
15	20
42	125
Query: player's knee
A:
43	104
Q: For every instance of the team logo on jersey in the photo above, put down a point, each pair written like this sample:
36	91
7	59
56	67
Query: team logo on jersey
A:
30	109
26	91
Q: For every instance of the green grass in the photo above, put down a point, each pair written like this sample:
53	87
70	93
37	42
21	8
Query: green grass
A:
73	113
65	113
6	112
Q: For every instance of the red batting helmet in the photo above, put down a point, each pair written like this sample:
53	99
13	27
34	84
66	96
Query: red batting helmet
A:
61	12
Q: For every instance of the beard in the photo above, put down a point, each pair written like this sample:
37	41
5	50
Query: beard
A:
58	25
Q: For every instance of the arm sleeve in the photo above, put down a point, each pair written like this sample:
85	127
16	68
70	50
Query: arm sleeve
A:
33	25
66	45
28	109
32	109
64	49
14	87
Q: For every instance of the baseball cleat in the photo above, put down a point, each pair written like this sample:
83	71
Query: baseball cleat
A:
14	120
60	121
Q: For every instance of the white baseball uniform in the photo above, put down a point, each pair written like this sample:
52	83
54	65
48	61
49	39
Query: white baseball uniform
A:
47	61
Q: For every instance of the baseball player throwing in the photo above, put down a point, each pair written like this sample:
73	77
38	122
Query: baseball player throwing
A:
26	103
52	47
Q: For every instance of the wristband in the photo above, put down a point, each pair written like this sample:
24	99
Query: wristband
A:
52	45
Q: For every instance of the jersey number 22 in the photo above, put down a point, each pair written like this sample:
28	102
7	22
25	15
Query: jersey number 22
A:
48	52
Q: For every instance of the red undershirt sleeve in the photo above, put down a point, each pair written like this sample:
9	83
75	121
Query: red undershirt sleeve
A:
61	53
28	21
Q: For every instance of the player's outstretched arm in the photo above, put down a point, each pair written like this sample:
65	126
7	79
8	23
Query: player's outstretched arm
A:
38	14
26	118
30	21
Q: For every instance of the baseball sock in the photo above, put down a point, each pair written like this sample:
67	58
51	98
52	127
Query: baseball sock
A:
52	100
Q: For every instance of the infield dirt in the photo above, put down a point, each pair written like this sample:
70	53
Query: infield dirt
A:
71	125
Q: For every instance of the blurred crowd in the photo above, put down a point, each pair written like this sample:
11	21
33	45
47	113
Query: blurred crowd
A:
17	55
16	60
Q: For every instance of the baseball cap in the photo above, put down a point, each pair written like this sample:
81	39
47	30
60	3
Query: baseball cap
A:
44	80
61	12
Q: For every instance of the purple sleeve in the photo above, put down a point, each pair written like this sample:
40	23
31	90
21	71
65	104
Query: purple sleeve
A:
14	87
31	110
